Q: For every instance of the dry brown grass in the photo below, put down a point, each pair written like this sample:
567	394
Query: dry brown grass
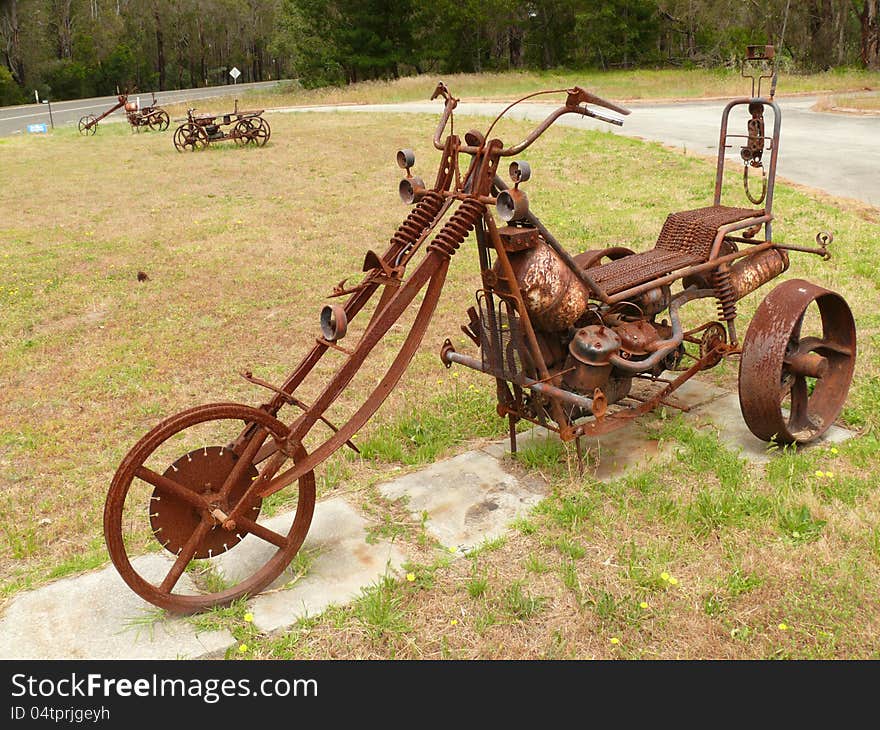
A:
868	103
629	86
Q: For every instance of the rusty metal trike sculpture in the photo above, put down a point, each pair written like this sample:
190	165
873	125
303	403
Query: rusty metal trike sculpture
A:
575	343
200	130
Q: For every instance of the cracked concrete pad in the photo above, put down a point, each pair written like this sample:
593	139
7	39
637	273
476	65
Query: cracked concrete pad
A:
608	457
469	499
97	616
695	393
340	563
725	414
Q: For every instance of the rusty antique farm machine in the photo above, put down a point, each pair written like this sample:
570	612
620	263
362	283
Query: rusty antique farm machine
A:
245	127
581	344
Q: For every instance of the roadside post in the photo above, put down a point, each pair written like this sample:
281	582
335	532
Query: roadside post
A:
48	103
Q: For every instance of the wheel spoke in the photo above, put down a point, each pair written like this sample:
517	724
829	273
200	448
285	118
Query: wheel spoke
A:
244	461
799	417
186	554
163	483
263	533
815	344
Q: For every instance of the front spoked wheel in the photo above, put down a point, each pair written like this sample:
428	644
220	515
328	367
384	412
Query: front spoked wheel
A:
177	485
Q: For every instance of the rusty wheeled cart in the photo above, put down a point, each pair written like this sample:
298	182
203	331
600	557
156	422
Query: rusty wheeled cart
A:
581	344
152	116
200	130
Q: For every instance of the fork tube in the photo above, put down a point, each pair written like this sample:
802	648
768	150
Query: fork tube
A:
537	357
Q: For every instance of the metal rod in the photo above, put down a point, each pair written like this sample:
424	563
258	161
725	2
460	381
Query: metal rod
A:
551	391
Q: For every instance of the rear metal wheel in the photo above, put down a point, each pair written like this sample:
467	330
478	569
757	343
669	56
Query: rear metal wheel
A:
159	121
261	133
182	503
797	363
243	132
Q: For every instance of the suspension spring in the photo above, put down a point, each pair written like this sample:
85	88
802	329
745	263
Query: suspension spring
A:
725	294
417	221
457	227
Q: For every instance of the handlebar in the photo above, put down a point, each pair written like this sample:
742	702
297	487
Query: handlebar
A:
575	103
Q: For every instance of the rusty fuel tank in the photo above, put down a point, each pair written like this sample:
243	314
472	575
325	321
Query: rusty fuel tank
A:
553	295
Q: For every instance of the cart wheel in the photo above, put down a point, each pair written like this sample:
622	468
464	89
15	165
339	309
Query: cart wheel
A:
243	132
783	369
172	487
159	121
262	132
87	125
189	136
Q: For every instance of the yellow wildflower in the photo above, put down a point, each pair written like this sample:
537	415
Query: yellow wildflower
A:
249	618
783	627
454	622
673	581
615	640
664	575
242	648
643	604
410	577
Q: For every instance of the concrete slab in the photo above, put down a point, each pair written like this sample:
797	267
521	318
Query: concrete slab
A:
695	393
342	563
726	416
97	616
609	456
469	499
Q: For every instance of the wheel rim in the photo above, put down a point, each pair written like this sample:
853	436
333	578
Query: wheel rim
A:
87	125
158	121
262	132
133	515
782	368
244	129
189	137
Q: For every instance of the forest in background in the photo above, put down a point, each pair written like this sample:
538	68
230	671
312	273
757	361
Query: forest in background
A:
81	48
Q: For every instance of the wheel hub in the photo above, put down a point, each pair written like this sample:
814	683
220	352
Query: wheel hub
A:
203	471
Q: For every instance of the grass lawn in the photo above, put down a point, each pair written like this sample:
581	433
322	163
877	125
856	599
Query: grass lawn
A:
862	102
705	557
645	84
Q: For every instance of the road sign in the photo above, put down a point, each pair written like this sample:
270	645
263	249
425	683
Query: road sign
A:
235	73
37	128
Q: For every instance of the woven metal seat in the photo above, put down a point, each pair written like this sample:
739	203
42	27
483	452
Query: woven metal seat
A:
685	239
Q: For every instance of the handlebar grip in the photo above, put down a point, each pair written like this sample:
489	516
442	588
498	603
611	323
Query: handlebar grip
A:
603	118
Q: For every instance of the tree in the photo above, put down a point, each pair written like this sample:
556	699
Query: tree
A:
10	34
869	17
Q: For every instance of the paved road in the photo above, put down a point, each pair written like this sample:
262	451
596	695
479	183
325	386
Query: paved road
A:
836	153
14	119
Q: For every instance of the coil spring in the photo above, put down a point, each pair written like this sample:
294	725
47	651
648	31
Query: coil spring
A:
457	227
725	294
418	220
